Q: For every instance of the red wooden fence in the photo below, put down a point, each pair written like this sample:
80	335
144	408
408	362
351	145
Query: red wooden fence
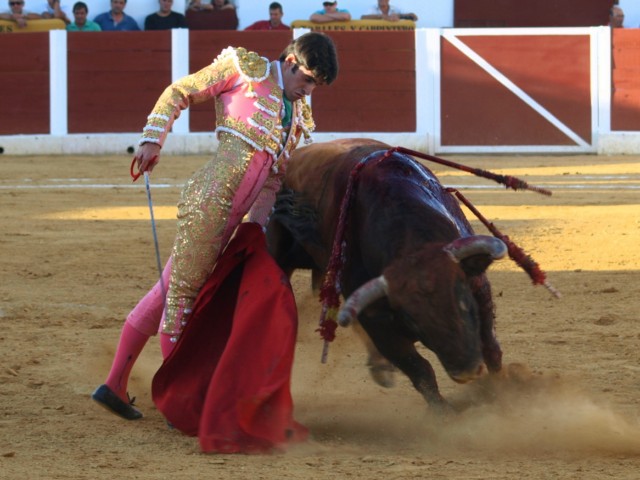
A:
531	13
115	77
625	80
24	83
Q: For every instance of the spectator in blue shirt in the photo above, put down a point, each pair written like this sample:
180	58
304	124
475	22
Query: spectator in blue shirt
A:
330	13
116	19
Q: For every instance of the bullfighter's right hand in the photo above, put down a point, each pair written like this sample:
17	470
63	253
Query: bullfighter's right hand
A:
148	156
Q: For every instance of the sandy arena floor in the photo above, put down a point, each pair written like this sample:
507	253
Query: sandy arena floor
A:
77	253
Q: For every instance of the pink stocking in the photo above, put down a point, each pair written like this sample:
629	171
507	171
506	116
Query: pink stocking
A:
131	344
141	323
147	314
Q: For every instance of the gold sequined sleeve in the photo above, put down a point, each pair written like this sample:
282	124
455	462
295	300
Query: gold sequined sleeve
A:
198	87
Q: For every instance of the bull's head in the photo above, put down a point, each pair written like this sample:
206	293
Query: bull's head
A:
430	291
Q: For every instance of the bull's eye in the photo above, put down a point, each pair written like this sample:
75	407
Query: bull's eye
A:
463	306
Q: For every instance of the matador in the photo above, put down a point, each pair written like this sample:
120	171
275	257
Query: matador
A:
261	114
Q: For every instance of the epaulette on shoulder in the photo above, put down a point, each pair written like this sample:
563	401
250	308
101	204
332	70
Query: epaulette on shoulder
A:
251	65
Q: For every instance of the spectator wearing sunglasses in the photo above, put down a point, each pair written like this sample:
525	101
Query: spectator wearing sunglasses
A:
18	14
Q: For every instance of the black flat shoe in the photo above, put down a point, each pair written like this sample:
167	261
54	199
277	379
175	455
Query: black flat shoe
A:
108	399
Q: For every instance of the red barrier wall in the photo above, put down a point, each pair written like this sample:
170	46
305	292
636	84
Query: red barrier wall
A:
376	88
204	47
553	70
115	78
625	80
24	83
374	92
531	13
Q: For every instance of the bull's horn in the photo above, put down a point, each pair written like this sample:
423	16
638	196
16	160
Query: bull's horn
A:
462	248
361	298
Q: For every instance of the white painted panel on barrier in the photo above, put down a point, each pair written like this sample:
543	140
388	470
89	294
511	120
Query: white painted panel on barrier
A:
179	69
427	96
602	57
58	109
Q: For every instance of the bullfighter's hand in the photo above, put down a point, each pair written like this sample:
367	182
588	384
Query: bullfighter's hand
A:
148	156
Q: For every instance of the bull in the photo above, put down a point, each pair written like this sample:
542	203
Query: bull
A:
414	271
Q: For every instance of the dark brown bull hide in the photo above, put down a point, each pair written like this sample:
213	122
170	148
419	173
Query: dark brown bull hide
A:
399	224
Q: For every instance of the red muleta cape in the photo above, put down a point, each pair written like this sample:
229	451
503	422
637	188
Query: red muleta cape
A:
228	379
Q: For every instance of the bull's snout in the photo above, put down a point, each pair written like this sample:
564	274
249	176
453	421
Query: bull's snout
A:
469	375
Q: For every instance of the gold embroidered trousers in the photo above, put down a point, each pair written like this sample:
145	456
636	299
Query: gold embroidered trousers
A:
213	203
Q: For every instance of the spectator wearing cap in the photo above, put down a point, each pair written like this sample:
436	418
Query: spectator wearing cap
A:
330	13
274	22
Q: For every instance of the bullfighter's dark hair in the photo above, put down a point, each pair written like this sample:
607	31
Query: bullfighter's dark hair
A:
316	52
275	6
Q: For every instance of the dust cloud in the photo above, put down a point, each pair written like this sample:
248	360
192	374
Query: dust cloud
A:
516	412
523	412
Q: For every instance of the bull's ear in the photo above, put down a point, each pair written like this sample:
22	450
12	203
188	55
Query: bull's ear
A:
475	264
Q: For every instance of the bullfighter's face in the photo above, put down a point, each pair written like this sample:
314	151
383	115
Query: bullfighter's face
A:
298	81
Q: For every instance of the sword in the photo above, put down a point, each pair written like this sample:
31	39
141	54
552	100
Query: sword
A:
147	185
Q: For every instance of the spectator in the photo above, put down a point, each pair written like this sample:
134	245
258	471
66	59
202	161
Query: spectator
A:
54	9
274	22
116	19
384	11
197	5
18	14
80	23
330	13
218	15
165	18
616	17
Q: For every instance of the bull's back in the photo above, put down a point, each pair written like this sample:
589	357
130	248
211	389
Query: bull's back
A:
312	168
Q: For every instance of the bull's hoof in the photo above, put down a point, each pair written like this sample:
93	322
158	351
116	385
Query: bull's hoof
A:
442	408
383	375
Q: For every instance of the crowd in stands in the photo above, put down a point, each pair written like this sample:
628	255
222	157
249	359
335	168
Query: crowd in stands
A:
200	14
77	18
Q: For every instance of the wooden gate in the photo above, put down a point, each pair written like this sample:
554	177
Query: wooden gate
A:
517	90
